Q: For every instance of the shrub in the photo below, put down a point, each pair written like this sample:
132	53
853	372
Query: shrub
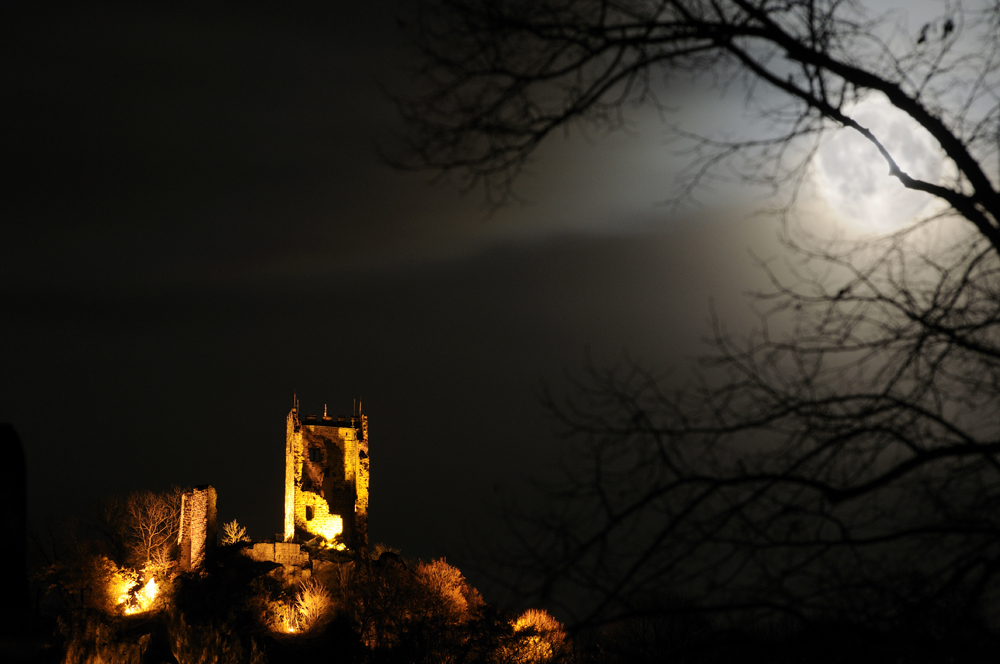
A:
234	533
310	610
539	638
313	604
459	600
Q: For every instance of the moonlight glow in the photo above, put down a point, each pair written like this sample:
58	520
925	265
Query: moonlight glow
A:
854	178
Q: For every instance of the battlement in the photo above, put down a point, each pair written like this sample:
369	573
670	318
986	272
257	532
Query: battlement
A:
329	421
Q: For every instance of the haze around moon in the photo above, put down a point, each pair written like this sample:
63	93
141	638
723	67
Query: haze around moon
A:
854	178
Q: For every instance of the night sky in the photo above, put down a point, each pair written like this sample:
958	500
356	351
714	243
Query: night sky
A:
198	224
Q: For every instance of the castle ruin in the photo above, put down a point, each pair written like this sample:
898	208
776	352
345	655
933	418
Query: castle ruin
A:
326	497
326	479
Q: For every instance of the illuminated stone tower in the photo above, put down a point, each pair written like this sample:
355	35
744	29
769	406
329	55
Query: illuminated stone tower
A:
326	479
198	529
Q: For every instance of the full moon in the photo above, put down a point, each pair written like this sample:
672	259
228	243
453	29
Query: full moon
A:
854	177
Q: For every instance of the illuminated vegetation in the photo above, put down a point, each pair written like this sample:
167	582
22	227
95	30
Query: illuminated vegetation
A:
312	604
366	607
121	583
379	608
311	608
540	638
130	595
233	533
143	598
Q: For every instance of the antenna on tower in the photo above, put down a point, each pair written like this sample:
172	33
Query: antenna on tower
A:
295	401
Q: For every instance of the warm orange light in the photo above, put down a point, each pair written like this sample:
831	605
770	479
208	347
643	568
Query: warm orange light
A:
144	598
540	637
312	606
331	528
123	584
283	618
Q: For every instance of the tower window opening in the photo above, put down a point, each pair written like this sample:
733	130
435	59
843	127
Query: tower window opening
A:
314	454
309	513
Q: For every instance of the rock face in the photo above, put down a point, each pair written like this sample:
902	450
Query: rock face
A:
198	529
326	479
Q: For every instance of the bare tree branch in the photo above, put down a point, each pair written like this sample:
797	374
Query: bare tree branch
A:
850	444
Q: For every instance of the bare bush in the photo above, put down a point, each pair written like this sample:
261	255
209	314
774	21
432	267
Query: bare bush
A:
313	604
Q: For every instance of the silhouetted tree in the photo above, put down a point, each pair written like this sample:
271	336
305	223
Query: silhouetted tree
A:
842	459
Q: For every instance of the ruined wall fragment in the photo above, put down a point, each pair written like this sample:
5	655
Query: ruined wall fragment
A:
361	507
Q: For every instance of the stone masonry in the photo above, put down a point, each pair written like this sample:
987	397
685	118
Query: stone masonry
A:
285	553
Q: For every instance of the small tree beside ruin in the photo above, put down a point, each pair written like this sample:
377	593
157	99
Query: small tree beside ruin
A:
141	527
233	533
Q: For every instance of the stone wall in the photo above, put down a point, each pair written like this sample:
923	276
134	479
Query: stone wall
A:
198	529
285	553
